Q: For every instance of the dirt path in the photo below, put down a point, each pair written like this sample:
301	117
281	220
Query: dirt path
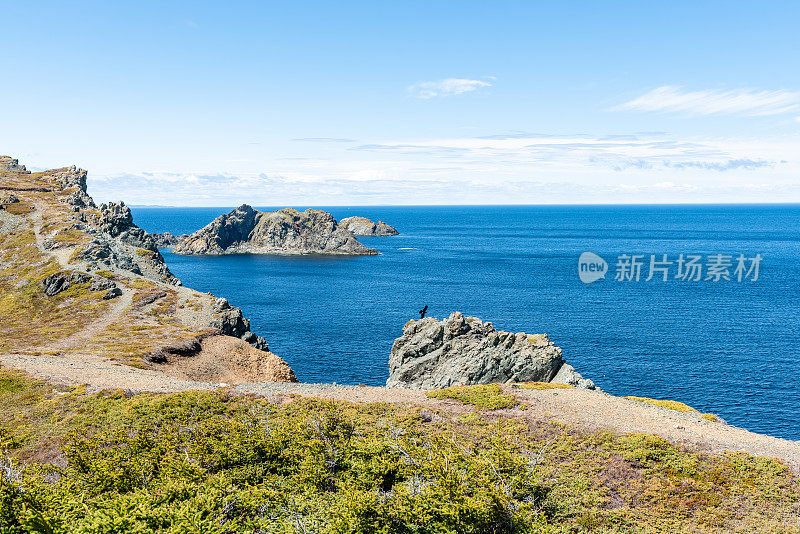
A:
117	309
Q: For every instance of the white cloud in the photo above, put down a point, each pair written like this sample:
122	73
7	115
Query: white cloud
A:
446	87
747	102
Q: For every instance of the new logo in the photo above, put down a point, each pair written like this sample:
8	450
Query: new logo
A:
591	267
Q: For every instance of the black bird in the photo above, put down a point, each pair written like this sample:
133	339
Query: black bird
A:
422	312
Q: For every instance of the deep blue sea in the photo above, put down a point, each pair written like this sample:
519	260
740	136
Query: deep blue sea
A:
727	347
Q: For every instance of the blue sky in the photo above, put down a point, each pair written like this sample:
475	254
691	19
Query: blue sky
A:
212	103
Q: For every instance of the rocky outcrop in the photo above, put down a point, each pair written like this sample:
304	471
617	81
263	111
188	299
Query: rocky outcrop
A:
10	199
116	220
568	375
229	321
87	240
9	164
74	178
464	350
56	283
167	239
287	231
361	226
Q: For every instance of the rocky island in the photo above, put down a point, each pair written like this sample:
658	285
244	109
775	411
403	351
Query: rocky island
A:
361	226
286	231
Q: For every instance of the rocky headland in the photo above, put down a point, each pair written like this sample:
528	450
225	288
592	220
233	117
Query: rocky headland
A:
361	226
97	287
464	350
286	231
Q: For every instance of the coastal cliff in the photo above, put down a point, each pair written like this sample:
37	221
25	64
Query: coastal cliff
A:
286	231
83	280
464	350
361	226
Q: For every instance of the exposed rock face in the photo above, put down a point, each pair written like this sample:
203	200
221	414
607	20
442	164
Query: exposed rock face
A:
73	177
365	227
568	375
90	237
56	283
464	350
286	231
167	239
229	321
9	164
116	220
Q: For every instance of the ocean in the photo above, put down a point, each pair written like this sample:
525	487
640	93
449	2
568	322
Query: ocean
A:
726	346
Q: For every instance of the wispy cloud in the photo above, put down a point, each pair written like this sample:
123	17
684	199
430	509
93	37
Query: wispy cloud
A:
325	139
748	102
446	87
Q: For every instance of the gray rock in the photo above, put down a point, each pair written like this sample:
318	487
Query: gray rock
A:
230	321
287	231
465	350
10	199
361	226
56	283
73	177
112	293
568	375
9	164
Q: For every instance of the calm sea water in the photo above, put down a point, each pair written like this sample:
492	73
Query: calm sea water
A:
729	347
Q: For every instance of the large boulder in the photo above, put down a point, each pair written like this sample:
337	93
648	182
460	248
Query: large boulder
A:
287	231
462	350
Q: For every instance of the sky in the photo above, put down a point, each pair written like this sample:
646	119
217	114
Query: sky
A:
374	103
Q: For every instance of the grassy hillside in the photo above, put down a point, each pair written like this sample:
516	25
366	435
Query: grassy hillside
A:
212	462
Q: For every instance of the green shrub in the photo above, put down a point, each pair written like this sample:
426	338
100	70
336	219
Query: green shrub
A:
484	397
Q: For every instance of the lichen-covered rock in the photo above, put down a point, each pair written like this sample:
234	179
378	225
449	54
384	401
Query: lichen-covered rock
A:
464	350
56	283
287	231
116	220
9	164
73	177
361	226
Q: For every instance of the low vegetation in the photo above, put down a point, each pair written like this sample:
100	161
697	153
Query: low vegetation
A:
483	397
212	462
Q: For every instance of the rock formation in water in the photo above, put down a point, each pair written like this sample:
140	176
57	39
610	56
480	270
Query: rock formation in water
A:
361	226
464	350
287	231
